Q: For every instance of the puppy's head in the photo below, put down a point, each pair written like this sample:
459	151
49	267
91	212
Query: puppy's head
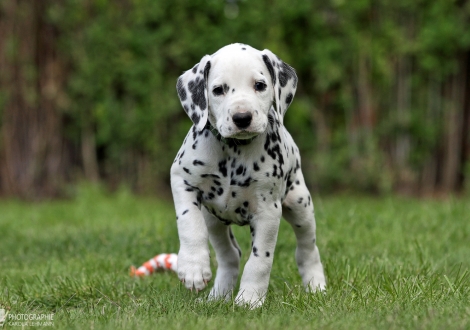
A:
235	88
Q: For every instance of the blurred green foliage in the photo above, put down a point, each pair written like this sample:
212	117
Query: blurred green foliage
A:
124	58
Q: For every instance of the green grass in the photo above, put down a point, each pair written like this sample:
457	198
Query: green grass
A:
391	263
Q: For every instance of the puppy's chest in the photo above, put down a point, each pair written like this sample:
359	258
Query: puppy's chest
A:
239	191
234	207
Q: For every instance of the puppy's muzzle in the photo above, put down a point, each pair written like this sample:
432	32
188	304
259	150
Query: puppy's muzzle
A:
242	119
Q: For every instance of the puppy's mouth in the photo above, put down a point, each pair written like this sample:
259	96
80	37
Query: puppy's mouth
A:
243	135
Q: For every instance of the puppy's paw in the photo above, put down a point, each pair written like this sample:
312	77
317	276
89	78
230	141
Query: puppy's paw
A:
250	299
317	284
194	269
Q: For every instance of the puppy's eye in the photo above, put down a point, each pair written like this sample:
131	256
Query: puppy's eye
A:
218	91
260	86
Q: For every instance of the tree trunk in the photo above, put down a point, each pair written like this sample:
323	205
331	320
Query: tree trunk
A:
90	161
465	154
429	174
31	76
366	113
453	139
402	143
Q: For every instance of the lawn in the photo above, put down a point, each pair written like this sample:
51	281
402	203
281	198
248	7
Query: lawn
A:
391	263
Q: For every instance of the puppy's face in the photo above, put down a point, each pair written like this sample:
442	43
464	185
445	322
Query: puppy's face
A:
240	92
235	88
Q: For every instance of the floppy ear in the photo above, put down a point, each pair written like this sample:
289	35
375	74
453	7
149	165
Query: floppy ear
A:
192	91
284	81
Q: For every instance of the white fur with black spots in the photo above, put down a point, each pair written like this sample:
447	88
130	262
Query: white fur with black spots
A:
239	165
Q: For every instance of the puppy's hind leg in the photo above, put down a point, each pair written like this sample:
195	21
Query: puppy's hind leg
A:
297	209
227	253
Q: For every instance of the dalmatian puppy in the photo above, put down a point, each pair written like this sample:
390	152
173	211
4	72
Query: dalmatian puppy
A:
239	165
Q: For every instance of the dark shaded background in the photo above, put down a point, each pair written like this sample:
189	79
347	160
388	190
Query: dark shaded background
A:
87	89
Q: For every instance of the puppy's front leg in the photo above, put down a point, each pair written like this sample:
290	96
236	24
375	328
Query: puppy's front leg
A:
193	257
255	279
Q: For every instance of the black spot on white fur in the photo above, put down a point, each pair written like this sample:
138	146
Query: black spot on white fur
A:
181	90
269	65
196	88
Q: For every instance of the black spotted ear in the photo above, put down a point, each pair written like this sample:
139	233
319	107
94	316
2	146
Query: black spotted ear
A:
192	91
284	81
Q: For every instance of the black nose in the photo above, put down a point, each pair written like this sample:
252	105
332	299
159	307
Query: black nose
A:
242	119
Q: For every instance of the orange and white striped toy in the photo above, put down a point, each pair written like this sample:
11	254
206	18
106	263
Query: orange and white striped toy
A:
161	261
